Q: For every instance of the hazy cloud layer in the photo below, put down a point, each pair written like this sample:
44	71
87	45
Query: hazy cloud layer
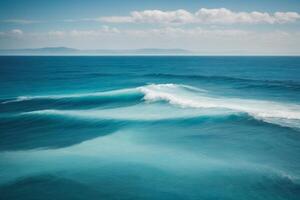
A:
20	21
200	40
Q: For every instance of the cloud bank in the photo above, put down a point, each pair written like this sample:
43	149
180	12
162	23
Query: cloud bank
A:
203	16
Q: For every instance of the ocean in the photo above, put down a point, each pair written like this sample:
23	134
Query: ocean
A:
150	127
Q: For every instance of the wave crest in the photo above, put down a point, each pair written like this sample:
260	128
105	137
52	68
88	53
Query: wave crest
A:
185	96
272	112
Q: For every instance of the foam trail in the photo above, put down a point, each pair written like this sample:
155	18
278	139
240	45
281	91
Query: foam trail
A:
141	112
80	95
98	94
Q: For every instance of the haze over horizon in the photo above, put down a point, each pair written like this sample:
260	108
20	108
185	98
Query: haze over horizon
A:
208	27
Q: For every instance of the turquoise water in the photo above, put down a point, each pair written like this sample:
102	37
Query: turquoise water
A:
150	127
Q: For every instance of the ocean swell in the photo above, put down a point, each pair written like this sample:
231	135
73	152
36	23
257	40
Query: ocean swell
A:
183	97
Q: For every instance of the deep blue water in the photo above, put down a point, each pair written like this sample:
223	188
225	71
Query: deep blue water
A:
150	128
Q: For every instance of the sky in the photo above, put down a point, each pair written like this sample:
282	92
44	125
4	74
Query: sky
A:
202	26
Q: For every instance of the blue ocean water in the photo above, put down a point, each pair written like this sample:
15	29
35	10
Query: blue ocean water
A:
153	127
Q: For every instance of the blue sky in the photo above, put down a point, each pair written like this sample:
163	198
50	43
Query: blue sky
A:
210	26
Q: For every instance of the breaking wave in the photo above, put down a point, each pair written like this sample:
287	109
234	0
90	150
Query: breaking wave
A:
190	101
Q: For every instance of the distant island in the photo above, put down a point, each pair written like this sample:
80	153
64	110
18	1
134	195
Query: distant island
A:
72	51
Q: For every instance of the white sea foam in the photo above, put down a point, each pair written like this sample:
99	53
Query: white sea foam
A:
283	114
18	99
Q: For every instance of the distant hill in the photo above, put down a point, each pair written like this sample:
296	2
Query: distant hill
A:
71	51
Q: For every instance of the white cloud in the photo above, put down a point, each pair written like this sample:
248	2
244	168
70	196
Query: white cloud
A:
168	32
104	30
203	16
226	16
152	16
284	17
157	16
